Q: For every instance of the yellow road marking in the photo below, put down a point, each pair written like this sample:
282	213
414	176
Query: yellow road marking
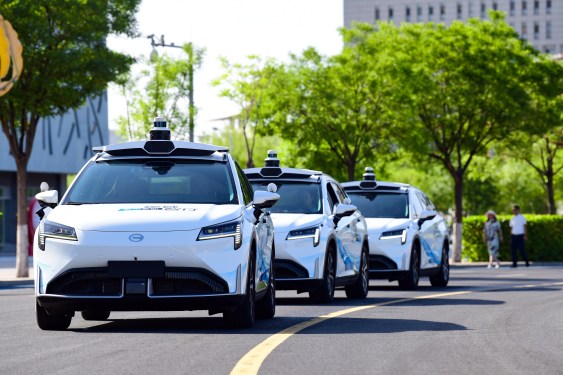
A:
251	362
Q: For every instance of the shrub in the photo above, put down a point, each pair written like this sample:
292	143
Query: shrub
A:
545	238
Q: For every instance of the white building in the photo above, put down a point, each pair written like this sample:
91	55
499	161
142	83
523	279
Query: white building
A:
538	21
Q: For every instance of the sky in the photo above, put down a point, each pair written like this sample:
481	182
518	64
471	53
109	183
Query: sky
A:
233	29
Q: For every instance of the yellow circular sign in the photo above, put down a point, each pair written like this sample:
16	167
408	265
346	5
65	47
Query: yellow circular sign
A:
10	56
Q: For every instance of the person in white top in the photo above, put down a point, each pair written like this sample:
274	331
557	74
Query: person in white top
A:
518	236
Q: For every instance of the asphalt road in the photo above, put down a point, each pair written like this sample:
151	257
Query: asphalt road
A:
506	321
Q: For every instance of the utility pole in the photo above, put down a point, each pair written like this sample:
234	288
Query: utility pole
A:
159	42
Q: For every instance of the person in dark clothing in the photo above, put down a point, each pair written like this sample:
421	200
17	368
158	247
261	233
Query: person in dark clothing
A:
518	236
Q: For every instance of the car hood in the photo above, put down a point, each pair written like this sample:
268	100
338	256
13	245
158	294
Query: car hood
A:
384	224
143	217
286	222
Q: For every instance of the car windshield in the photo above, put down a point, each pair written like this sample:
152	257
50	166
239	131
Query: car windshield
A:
295	197
381	205
142	181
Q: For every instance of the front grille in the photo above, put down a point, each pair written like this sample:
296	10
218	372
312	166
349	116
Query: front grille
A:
95	282
288	269
380	262
188	282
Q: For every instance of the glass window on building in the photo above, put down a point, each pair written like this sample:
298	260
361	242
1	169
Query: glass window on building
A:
548	30
470	9
495	5
459	11
536	7
524	7
548	7
483	10
418	13
524	29
377	15
536	30
430	13
512	8
442	12
408	14
390	12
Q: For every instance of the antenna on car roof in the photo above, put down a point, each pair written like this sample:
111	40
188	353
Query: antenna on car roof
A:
160	131
272	159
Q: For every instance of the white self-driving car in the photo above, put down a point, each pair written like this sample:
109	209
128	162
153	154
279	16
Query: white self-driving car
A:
321	239
407	237
156	225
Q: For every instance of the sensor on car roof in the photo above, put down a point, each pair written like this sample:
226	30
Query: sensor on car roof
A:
272	159
369	181
160	131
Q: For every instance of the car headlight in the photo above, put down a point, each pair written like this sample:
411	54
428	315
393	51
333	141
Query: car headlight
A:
313	232
399	233
230	229
54	230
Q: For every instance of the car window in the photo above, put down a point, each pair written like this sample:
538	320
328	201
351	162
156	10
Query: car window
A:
295	197
142	181
381	205
332	197
339	192
426	203
416	205
245	185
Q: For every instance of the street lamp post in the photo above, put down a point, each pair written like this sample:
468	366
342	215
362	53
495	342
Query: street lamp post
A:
159	42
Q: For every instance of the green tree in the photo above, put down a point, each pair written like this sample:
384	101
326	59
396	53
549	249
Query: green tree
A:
334	109
464	86
66	61
249	87
168	86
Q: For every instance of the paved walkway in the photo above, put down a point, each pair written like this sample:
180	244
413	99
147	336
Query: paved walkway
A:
8	272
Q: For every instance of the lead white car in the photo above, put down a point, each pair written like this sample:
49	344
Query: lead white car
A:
155	225
407	237
321	239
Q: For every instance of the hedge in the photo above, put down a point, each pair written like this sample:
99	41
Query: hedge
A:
544	234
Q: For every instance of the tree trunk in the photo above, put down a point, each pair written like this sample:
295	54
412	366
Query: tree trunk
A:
551	208
22	258
458	230
351	166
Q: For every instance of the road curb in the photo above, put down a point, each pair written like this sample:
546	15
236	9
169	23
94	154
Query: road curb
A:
22	282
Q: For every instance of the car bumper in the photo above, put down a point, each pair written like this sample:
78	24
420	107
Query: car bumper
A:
388	256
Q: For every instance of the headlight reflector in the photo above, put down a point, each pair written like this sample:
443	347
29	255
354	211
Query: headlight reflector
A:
312	232
230	229
54	230
399	233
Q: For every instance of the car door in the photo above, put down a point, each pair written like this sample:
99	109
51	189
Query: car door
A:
431	253
264	236
345	233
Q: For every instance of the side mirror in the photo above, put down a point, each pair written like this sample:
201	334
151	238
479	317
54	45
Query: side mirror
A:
343	210
426	215
49	198
264	199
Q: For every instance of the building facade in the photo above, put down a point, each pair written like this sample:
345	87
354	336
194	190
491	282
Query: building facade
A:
61	147
540	22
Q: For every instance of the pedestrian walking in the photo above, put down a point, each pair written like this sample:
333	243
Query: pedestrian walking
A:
493	237
518	236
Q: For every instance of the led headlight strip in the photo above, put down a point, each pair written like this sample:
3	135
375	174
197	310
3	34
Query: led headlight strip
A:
230	229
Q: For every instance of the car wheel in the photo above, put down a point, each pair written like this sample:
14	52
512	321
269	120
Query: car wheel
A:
95	315
266	307
410	281
48	322
325	292
360	287
443	275
244	315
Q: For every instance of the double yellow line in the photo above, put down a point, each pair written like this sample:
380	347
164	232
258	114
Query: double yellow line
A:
251	362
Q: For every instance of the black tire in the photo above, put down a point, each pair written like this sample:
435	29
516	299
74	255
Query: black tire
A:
245	314
51	322
266	307
442	278
410	281
325	292
95	315
360	288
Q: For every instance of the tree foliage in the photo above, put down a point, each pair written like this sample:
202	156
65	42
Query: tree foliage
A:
66	61
166	86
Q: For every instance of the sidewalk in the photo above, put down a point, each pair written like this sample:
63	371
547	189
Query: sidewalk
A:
8	272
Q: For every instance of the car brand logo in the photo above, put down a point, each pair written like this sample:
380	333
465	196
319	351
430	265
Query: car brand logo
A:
136	237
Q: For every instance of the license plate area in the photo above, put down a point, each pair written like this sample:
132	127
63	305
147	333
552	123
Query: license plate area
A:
136	269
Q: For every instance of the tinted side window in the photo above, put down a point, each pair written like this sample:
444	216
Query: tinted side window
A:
332	197
339	192
244	185
416	205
